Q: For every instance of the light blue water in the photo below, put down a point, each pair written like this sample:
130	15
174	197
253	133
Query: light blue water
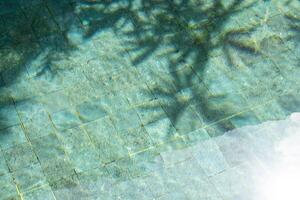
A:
130	99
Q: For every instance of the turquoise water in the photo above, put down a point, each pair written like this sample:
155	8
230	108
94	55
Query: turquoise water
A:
134	99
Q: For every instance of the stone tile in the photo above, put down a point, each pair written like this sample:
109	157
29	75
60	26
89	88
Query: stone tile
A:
155	183
114	102
147	161
55	101
3	165
231	143
226	183
120	170
189	121
173	143
89	111
43	27
136	139
84	159
8	189
218	129
100	128
132	190
20	156
21	90
74	138
68	188
126	119
176	156
139	95
176	195
244	119
40	193
29	177
40	125
142	188
65	119
196	136
28	109
95	182
150	111
160	130
202	190
12	136
9	116
57	169
209	157
48	148
106	140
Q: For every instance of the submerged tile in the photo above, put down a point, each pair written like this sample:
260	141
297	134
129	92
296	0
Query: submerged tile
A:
40	125
20	156
29	177
8	117
110	106
136	139
3	166
12	136
209	157
40	193
65	119
89	111
8	189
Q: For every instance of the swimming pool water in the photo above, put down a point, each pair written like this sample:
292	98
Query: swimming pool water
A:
143	99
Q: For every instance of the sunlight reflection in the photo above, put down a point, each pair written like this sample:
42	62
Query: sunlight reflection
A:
284	178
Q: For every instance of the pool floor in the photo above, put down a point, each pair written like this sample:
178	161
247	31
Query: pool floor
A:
144	99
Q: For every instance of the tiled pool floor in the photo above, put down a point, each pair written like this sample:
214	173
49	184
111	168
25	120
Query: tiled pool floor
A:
115	100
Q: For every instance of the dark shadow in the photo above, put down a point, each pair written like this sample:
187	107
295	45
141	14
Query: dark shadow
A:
27	31
193	30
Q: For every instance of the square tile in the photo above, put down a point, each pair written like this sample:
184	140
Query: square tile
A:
150	111
12	136
29	177
48	148
136	139
176	195
9	116
28	109
3	166
40	125
68	188
40	193
209	157
55	101
57	169
196	136
89	111
188	121
146	162
161	130
85	159
156	184
106	140
65	119
96	182
8	189
126	119
20	156
74	138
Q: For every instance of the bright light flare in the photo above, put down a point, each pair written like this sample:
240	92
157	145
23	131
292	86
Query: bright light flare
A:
282	182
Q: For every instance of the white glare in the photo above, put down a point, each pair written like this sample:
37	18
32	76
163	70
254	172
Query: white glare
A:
282	182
